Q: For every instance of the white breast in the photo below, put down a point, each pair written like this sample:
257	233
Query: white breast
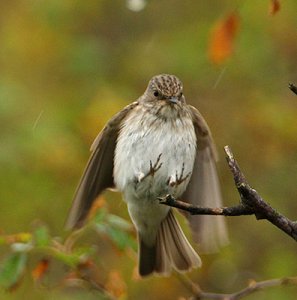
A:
142	139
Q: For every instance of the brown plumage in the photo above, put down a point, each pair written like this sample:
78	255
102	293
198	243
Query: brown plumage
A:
155	146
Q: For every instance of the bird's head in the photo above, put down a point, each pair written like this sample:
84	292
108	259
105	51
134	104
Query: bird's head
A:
165	88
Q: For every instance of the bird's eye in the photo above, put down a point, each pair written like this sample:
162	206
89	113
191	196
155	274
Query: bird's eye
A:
156	93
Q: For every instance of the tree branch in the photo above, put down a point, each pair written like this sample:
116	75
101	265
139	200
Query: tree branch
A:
252	287
251	203
293	88
238	210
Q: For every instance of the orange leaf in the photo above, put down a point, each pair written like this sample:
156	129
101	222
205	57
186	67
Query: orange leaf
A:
116	285
22	237
135	274
97	204
274	7
40	269
222	38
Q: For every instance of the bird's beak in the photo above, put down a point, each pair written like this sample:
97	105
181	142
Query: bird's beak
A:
173	100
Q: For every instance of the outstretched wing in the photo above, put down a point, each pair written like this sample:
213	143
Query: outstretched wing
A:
98	174
204	190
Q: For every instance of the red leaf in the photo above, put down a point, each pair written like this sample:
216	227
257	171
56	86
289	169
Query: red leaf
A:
221	42
274	7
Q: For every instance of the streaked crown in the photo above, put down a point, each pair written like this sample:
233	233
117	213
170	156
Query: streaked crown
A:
166	85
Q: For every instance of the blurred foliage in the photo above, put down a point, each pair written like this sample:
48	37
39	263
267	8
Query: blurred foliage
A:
81	267
67	66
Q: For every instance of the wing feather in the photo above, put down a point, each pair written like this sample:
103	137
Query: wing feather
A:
98	174
204	190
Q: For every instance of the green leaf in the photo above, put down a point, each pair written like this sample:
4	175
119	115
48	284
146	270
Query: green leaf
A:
41	236
119	222
12	269
100	216
71	260
121	238
118	230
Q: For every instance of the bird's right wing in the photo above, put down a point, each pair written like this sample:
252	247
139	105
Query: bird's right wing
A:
98	174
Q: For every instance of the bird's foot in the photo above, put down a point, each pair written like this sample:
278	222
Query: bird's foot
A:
152	171
168	199
178	179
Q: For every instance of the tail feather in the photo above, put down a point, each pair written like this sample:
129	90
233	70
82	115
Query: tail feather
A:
172	249
163	263
182	255
147	257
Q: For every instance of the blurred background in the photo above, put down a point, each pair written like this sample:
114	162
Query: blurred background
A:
67	66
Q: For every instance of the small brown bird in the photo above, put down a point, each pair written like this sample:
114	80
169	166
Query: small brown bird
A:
155	146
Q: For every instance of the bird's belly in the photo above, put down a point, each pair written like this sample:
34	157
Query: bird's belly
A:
152	162
152	159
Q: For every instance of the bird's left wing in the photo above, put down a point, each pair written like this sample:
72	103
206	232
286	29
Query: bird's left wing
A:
98	174
204	189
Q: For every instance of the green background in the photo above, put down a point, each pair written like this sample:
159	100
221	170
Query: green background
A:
67	66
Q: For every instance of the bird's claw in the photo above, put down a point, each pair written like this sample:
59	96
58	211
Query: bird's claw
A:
153	169
178	179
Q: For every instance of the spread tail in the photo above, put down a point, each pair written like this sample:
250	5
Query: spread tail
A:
171	249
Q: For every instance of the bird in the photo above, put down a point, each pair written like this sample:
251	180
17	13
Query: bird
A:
156	146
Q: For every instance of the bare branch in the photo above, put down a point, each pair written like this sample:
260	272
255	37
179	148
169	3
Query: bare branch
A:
251	203
293	88
238	210
252	287
250	198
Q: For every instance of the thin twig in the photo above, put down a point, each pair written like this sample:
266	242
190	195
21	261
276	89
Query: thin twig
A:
253	286
190	285
238	210
73	237
293	88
